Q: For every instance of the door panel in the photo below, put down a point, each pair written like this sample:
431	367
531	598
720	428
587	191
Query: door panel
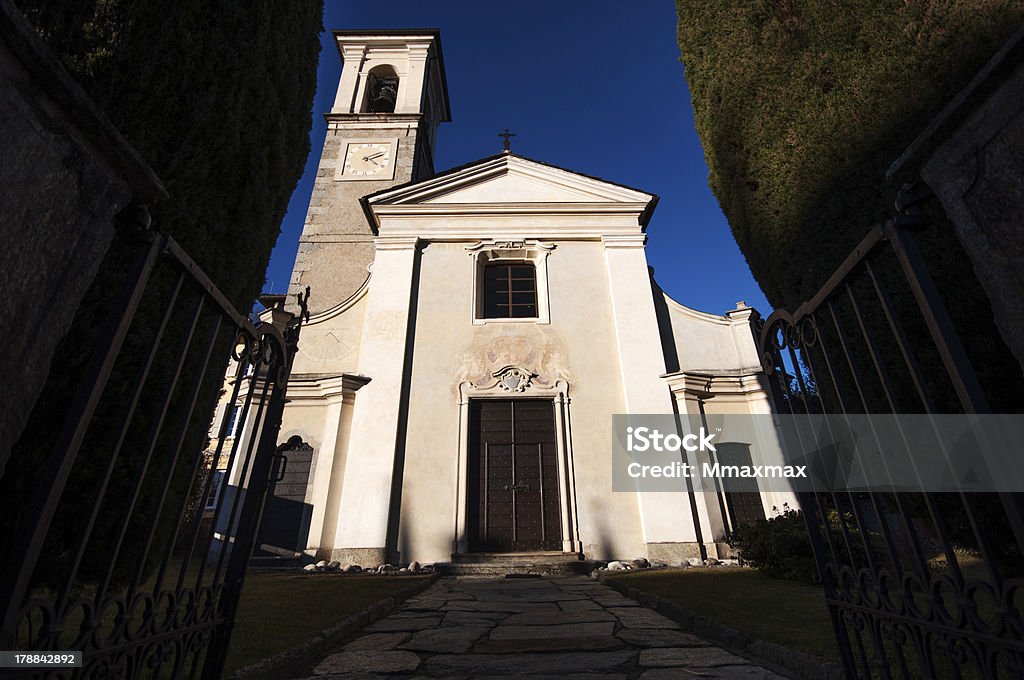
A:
742	495
286	516
513	476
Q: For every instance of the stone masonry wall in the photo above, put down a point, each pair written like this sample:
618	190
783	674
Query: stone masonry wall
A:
337	241
65	174
978	175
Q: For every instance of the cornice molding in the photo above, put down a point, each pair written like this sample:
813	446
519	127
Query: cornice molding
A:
318	386
511	208
588	189
708	384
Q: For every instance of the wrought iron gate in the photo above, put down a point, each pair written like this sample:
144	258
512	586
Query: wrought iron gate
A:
135	517
918	585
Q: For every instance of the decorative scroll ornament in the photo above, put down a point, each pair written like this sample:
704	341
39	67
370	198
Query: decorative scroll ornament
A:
509	244
513	379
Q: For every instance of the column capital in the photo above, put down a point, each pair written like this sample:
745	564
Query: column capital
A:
396	242
419	49
624	240
353	52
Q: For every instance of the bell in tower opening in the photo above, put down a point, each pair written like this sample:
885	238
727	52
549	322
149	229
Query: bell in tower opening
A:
381	91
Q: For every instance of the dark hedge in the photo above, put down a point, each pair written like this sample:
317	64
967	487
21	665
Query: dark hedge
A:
802	105
217	97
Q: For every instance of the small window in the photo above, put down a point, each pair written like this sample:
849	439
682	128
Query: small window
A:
215	486
510	291
510	282
236	411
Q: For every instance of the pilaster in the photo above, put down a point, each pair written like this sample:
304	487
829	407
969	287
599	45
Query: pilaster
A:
641	362
365	503
352	63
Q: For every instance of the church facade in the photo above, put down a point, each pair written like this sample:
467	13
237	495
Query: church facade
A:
473	331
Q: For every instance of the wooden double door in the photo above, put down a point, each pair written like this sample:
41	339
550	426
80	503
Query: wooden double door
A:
513	476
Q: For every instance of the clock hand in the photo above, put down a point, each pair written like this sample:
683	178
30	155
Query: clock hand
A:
372	156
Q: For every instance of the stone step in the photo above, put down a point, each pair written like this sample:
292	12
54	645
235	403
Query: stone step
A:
500	569
536	557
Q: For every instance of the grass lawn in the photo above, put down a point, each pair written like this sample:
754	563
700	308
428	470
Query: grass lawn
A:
281	610
784	612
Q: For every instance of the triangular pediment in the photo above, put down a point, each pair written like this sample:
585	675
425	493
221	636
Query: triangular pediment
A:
509	180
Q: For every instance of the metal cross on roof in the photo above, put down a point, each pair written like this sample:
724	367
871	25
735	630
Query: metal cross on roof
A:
507	143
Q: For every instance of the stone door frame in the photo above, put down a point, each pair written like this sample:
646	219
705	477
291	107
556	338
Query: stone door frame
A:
515	382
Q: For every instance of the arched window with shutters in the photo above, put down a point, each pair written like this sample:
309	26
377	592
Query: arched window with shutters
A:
510	282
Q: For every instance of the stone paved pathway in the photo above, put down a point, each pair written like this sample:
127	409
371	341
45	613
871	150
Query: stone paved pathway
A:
564	628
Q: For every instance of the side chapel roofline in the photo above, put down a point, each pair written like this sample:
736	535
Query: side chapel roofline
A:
645	216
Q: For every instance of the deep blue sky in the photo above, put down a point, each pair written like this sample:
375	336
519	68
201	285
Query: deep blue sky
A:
594	86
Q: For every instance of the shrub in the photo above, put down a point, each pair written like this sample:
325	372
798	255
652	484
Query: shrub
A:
779	547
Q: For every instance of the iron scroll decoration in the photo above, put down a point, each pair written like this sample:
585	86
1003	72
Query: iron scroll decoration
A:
172	609
896	614
782	331
265	345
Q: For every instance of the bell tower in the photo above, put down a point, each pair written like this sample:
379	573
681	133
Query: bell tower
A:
380	133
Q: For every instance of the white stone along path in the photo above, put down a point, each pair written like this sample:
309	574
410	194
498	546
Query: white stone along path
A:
564	628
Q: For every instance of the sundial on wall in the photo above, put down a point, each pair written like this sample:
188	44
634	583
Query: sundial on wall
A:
326	349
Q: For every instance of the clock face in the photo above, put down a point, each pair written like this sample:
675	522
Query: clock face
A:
368	159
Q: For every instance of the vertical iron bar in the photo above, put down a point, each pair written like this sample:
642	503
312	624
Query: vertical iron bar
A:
225	482
182	432
858	384
83	539
204	494
889	388
252	512
147	457
909	358
940	326
246	476
784	395
920	383
901	657
842	630
917	376
881	656
951	350
825	412
853	503
14	582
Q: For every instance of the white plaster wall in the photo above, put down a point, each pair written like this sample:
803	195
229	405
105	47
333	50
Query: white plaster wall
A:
329	343
709	342
309	420
328	346
765	446
578	346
